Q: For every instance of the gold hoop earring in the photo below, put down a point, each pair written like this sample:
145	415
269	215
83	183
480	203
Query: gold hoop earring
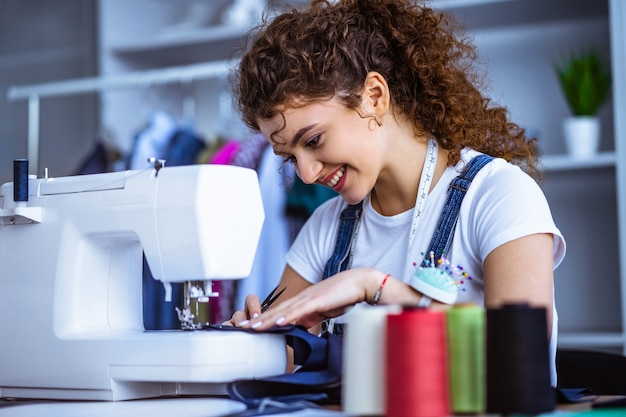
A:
375	120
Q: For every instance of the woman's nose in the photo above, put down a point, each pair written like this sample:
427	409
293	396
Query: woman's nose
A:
309	170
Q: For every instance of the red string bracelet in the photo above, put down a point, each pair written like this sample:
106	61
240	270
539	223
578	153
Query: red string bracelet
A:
380	290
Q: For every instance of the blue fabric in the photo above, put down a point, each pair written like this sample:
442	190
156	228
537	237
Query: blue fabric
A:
318	379
96	162
183	148
159	314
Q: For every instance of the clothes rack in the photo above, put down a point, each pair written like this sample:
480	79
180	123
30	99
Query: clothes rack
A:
35	92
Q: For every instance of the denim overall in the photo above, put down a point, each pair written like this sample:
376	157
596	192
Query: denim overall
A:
440	242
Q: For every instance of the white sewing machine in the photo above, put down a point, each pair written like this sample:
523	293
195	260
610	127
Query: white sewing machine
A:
71	321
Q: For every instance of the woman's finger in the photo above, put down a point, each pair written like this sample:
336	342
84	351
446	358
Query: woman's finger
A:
253	307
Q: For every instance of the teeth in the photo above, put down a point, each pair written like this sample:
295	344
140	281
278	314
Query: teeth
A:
337	177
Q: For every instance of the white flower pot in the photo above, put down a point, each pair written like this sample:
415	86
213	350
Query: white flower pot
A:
582	136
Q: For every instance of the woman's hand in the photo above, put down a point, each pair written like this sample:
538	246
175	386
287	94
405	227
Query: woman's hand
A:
326	299
291	284
252	310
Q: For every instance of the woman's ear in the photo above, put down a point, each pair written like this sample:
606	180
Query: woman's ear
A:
376	96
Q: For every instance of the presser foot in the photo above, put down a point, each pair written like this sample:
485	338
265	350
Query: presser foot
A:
186	318
195	314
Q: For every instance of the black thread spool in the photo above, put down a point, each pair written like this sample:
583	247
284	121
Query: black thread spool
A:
518	361
20	180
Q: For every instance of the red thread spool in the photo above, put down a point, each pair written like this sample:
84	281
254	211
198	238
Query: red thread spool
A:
417	365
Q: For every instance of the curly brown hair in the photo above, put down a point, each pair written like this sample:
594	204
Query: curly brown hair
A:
327	50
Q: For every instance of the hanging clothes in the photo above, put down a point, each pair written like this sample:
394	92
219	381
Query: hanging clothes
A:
302	200
103	157
152	141
183	147
225	155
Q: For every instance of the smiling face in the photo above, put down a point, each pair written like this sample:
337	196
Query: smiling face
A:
329	144
334	145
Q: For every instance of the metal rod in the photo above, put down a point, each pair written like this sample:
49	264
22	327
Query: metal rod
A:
32	149
34	92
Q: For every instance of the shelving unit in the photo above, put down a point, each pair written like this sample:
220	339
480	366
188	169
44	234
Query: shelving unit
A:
519	42
146	35
617	20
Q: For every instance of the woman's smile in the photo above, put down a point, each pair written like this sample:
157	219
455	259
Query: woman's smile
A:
333	179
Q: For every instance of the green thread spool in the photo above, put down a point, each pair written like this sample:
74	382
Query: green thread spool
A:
466	350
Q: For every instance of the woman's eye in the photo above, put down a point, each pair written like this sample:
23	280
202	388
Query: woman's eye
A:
311	143
314	141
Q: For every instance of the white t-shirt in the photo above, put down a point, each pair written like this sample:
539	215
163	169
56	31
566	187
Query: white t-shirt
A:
502	204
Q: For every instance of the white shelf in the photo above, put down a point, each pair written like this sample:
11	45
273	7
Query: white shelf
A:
566	162
169	39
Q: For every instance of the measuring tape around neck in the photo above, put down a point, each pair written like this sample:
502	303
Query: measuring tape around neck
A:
426	179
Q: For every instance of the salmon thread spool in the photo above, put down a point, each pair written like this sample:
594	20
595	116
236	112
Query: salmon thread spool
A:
416	378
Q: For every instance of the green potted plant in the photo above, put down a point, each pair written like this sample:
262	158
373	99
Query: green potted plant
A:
585	81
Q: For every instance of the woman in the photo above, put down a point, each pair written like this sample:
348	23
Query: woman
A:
379	101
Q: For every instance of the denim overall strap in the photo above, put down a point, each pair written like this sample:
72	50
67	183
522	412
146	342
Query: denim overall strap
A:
341	257
444	231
